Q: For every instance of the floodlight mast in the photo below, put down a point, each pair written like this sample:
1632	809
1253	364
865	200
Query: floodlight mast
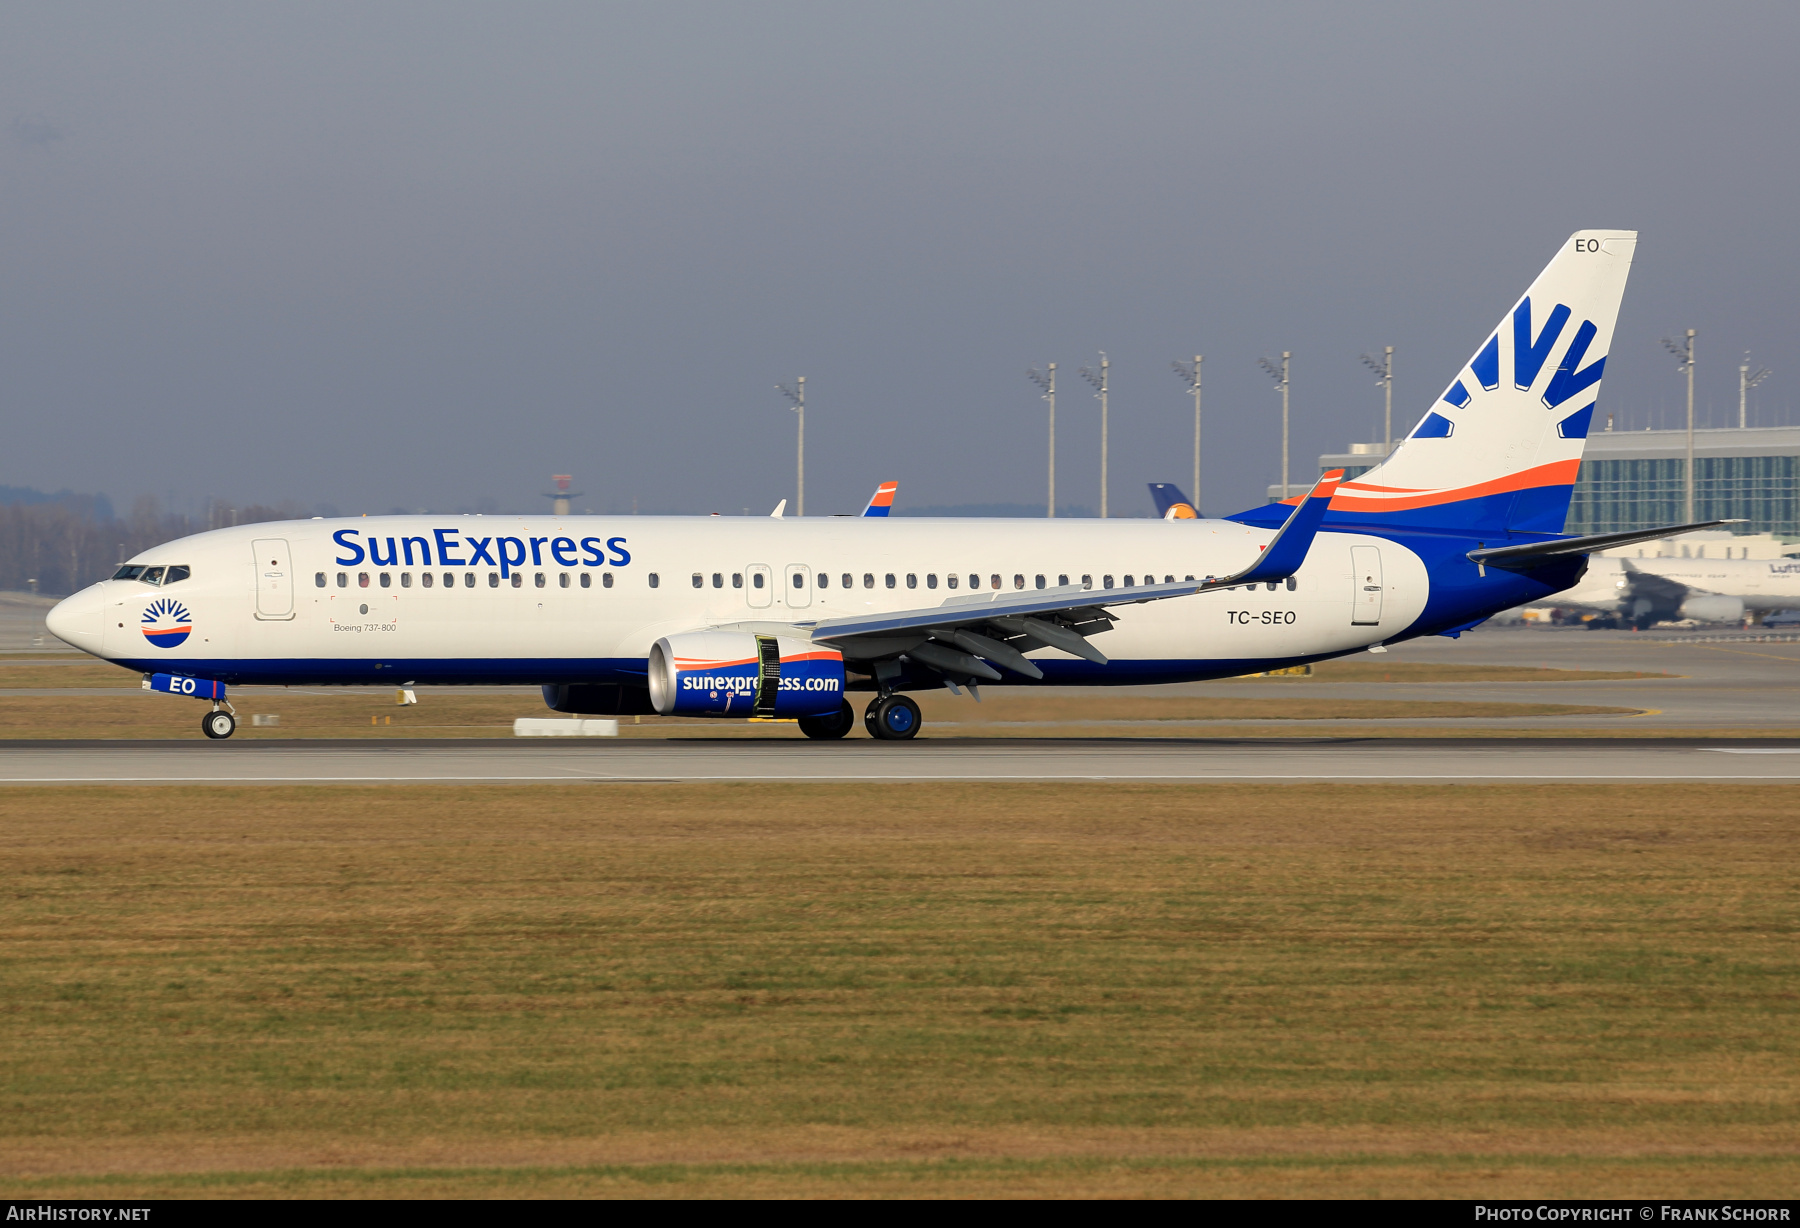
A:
1098	380
1748	379
1384	377
1047	381
1190	375
1280	376
1685	352
797	395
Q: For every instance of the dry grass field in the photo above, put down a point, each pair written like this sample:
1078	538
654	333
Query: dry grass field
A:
931	990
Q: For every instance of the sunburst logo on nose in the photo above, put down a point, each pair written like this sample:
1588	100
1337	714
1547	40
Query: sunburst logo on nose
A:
166	623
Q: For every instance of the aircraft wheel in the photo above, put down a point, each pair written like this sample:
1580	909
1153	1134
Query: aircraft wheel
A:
894	719
831	725
220	724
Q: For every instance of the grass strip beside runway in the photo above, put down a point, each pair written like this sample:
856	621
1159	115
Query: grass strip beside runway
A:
1051	989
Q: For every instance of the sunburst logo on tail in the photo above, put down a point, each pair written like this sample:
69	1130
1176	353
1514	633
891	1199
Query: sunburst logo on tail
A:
167	623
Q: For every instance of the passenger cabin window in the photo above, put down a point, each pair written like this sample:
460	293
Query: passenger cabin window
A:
469	579
387	580
537	579
931	579
1018	581
1127	584
1105	581
319	579
756	580
655	580
718	580
912	581
562	579
1087	582
824	579
406	579
426	578
1292	583
950	580
737	579
362	579
974	582
995	581
518	579
799	579
493	579
606	580
697	580
1039	580
1062	581
868	579
343	580
846	580
890	579
587	581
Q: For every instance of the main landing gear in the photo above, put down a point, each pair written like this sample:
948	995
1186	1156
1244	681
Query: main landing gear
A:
830	726
893	718
218	724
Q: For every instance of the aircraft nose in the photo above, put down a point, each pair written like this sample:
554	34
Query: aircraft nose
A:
79	620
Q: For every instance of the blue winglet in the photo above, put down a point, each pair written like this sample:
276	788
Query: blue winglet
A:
1283	556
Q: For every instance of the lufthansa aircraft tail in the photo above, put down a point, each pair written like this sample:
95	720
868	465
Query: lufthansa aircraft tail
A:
1499	450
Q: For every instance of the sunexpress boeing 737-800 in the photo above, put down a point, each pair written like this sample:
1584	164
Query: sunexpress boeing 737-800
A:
739	617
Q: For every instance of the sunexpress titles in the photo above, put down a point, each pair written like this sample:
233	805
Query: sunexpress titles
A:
454	548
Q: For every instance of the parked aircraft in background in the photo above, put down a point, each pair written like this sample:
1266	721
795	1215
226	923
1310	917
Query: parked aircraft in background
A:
1171	504
1643	592
728	617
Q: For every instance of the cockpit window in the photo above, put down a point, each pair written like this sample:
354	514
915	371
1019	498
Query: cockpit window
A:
152	575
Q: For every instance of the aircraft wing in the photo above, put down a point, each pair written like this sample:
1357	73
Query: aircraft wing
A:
1002	626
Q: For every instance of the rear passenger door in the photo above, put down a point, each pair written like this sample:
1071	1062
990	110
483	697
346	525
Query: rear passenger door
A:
1365	586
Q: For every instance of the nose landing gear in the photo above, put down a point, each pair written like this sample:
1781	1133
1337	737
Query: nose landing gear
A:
218	724
893	718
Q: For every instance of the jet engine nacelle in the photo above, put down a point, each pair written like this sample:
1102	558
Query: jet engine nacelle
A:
739	674
1712	608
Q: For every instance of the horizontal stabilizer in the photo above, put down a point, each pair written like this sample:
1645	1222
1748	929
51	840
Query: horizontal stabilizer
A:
1531	552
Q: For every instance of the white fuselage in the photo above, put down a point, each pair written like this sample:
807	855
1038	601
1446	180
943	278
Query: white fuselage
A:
556	600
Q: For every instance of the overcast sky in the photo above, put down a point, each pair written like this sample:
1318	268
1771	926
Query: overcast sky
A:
423	256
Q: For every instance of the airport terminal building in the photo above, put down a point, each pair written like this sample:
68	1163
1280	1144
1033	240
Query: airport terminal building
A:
1635	479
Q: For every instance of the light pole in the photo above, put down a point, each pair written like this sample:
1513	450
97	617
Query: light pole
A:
1098	380
1384	378
1685	352
1280	376
797	395
1747	379
1190	375
1047	381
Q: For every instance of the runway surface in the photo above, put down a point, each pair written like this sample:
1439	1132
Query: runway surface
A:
951	759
